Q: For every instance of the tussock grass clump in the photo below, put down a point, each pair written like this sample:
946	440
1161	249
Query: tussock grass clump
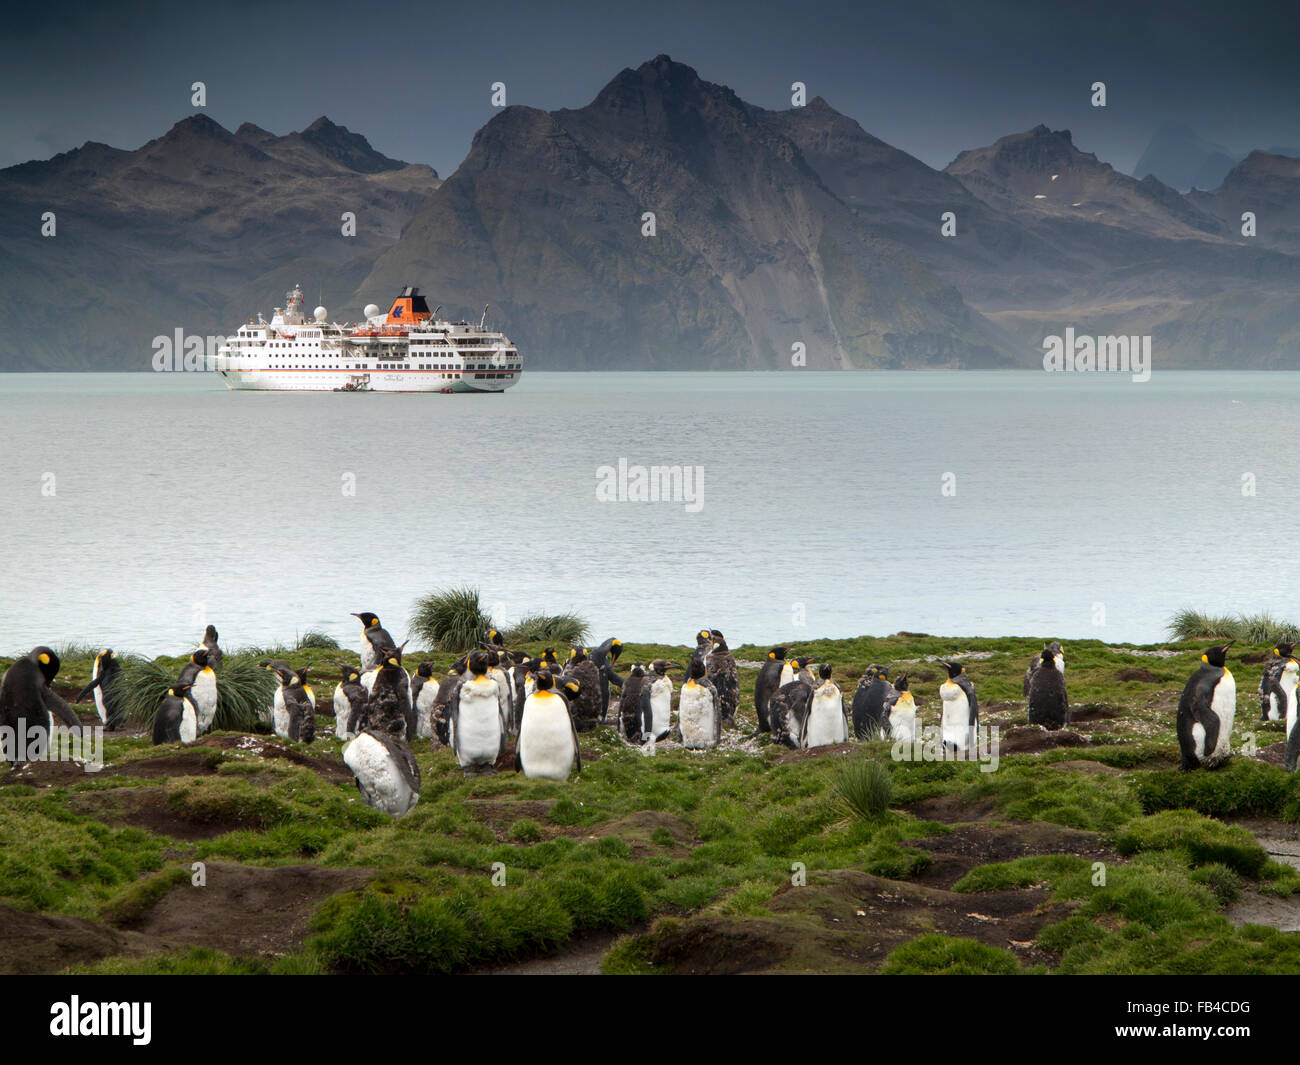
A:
196	961
564	628
865	788
1246	628
318	640
1202	840
451	620
244	691
1022	872
935	954
1243	786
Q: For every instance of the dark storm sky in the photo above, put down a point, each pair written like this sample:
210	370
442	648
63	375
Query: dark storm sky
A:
930	76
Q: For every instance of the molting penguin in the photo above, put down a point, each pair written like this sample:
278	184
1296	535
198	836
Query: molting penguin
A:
586	708
294	715
448	686
198	675
102	675
604	657
550	662
424	693
869	702
349	702
699	709
210	645
29	707
767	681
960	715
548	742
722	671
388	707
904	724
177	720
1272	699
474	718
787	709
386	772
375	641
1036	661
1048	703
825	724
657	702
796	669
703	647
629	704
1287	681
502	681
1206	711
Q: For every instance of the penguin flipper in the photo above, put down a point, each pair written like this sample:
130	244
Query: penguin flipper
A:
577	751
60	710
86	691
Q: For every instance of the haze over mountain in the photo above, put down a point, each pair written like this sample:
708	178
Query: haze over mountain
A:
771	229
1179	157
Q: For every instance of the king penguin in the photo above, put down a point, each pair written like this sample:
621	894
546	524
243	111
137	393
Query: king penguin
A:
474	718
1037	660
177	720
869	703
960	715
605	657
699	709
210	645
199	676
787	709
904	723
826	723
424	692
1206	711
629	704
586	708
1048	704
102	675
657	702
375	641
30	707
294	716
349	702
1272	699
386	772
767	681
722	671
548	742
1287	681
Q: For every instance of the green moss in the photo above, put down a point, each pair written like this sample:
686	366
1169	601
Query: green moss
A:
1201	839
949	956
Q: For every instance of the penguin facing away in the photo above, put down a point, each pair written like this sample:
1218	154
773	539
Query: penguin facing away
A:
448	686
657	702
294	715
1049	705
604	658
826	724
1037	660
177	720
210	645
29	706
767	681
1272	698
629	704
102	675
1287	681
787	710
388	705
349	702
960	715
548	742
699	709
475	726
386	772
1206	711
869	702
721	668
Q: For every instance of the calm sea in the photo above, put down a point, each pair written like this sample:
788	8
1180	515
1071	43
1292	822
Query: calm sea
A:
138	507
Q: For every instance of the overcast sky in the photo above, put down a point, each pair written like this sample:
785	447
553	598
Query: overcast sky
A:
930	76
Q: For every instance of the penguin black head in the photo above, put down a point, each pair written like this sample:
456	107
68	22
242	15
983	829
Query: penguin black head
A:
425	669
695	670
615	649
210	633
571	688
548	655
107	652
392	658
199	657
955	669
46	661
478	663
576	655
348	673
1218	656
495	638
545	681
301	674
638	670
1048	653
493	658
900	685
778	653
824	671
804	661
368	620
1284	650
179	689
719	641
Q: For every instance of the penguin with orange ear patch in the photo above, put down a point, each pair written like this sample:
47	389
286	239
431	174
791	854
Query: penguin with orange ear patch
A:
1206	711
29	707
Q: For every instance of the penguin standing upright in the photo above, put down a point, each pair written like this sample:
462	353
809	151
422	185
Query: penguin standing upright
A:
386	772
448	686
548	742
424	692
703	647
177	719
657	702
199	676
375	641
869	702
210	645
586	708
1206	711
389	701
474	718
722	672
294	715
349	702
1048	704
502	682
1037	660
629	704
550	662
604	658
767	681
787	708
102	675
797	669
29	707
960	715
1287	681
825	724
402	690
904	724
699	709
1272	698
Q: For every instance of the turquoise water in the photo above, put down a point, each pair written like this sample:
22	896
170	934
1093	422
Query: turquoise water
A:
174	502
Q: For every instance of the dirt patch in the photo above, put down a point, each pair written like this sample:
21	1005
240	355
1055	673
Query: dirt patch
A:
1273	754
246	910
1253	908
581	957
848	921
500	814
636	829
47	942
148	808
1099	769
958	852
1134	673
331	769
1088	712
1030	739
951	809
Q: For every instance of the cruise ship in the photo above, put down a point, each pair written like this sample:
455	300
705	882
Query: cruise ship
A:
409	349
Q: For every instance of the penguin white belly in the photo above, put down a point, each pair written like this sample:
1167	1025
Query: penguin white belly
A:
99	694
503	693
825	718
477	739
382	782
530	686
1291	695
787	675
424	709
369	660
546	738
189	722
695	714
205	694
956	716
1224	706
1274	711
280	714
368	680
342	711
661	708
902	721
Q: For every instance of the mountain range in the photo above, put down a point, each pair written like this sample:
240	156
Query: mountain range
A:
770	230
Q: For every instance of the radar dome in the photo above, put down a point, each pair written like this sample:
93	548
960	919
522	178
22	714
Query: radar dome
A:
320	314
371	310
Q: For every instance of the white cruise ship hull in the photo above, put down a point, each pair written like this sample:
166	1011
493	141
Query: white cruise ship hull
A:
265	380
